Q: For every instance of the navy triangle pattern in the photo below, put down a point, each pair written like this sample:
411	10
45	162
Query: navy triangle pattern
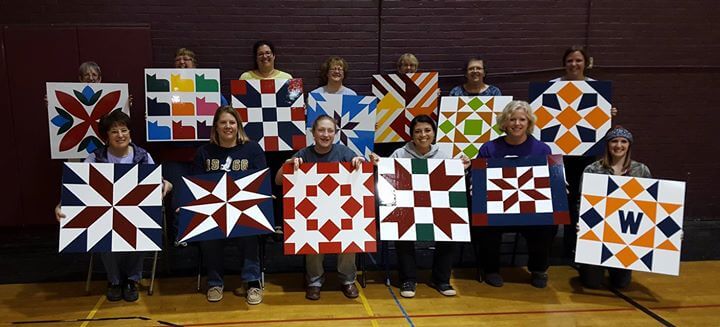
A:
587	135
70	177
536	89
550	101
121	170
155	235
549	134
603	88
606	254
588	101
653	190
79	244
154	212
647	260
611	187
69	198
104	245
251	98
145	170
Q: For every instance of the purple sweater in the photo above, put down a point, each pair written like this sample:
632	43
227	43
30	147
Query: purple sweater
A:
498	148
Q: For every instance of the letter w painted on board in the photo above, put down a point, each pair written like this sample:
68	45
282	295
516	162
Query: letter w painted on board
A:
629	221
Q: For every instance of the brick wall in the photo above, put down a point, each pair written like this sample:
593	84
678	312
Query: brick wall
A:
665	104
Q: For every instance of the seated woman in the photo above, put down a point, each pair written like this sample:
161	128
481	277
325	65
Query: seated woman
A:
264	59
422	146
230	149
475	81
615	161
324	150
517	121
332	74
124	269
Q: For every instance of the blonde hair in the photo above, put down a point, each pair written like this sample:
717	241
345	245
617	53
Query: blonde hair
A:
511	108
325	68
215	138
409	58
186	52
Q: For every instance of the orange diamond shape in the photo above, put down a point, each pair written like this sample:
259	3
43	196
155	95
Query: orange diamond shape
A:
597	117
632	188
626	256
569	117
569	92
567	142
543	117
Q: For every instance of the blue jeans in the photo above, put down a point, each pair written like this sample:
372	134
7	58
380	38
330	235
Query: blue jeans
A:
121	266
214	257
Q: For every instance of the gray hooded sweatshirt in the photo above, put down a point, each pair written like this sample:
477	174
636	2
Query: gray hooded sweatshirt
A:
409	151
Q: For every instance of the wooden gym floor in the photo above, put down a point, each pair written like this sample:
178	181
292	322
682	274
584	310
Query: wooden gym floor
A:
693	299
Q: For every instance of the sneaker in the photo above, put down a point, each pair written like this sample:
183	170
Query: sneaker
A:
445	289
254	295
180	244
494	279
114	292
407	289
130	291
215	294
350	291
539	279
312	293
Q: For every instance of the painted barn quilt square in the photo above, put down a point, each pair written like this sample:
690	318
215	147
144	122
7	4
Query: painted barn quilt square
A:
111	208
465	123
402	97
329	207
181	103
572	116
272	111
519	191
355	115
422	200
631	223
74	110
225	205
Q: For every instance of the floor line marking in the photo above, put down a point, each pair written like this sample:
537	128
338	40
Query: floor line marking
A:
94	310
367	307
399	305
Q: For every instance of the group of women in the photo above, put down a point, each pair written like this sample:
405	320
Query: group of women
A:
230	149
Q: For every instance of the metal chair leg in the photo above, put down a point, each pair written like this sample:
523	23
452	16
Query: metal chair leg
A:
261	255
89	275
363	271
152	274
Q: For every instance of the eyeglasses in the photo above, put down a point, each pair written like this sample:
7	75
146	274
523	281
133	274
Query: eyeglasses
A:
263	54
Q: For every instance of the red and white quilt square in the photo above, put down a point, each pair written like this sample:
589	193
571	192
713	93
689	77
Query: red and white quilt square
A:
329	207
519	190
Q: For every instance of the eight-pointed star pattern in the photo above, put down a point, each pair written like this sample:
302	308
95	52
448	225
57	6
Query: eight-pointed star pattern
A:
225	205
111	208
423	200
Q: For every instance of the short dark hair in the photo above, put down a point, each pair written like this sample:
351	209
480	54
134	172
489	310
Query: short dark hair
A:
573	49
257	45
115	117
477	58
423	119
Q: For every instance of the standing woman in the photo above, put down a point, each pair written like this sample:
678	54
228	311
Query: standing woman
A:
475	81
264	55
324	150
124	269
230	149
517	121
422	146
615	161
407	63
576	61
332	74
